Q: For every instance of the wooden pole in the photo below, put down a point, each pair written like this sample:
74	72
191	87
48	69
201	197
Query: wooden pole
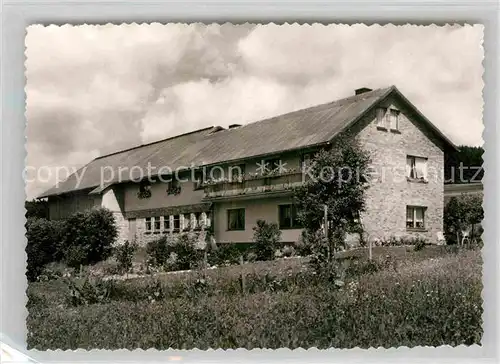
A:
325	231
205	263
370	249
242	276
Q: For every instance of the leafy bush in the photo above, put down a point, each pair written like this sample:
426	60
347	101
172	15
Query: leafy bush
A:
89	237
229	254
188	256
419	244
304	246
288	251
124	255
175	253
37	208
44	244
88	291
226	253
158	251
267	237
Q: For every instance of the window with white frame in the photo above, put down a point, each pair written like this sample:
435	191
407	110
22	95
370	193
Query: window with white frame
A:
393	119
166	224
177	223
416	168
157	224
198	222
208	219
381	117
186	222
149	226
415	217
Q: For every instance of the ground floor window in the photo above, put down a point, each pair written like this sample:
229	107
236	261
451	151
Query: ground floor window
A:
208	219
288	218
177	223
157	224
186	222
149	226
236	219
415	217
166	223
198	221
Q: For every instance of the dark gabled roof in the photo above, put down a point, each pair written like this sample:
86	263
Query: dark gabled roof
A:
316	125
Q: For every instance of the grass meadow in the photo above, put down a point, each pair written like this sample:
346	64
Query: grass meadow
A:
429	297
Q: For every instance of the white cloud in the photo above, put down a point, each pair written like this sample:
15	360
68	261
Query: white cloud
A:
95	89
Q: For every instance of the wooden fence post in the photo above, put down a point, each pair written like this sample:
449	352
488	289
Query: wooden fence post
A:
370	249
242	276
205	263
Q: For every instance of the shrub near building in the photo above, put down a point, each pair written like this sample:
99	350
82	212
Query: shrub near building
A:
89	237
44	244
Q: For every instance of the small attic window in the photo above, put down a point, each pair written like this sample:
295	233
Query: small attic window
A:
393	119
381	111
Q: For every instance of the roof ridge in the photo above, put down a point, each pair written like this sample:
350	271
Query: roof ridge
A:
309	108
151	143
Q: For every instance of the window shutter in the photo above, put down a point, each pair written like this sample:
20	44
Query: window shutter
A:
380	116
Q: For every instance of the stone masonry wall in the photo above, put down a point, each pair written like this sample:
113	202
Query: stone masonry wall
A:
390	192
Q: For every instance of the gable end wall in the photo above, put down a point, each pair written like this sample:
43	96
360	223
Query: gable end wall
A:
390	192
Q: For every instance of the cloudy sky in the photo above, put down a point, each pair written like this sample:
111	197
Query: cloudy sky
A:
96	89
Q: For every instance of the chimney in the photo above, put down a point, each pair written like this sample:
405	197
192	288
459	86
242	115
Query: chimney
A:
362	90
234	126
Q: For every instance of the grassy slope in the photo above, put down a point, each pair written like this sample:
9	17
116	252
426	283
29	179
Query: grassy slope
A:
429	300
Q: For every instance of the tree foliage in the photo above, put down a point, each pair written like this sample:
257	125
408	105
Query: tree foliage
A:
267	237
44	244
337	178
470	159
462	214
89	237
37	208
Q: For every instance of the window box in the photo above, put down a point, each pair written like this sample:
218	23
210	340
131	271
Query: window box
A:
395	131
144	190
381	127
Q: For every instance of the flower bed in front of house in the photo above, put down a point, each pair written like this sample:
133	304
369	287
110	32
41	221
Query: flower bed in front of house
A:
435	301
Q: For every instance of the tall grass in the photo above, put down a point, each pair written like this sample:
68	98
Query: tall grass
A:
431	302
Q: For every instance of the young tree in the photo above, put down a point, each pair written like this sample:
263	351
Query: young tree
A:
267	237
463	213
337	178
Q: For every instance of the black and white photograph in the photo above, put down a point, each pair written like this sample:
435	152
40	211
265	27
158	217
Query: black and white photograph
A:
206	186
